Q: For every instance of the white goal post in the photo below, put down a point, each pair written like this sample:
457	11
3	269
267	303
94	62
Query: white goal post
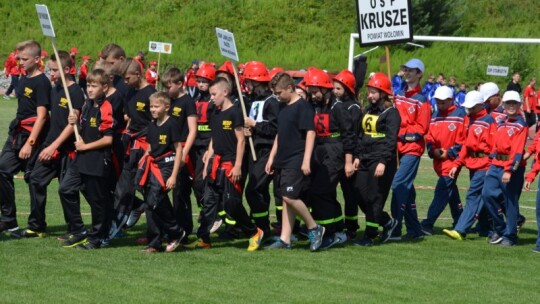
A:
355	36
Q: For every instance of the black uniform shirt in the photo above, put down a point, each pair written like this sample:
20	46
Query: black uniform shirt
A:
293	123
32	93
223	135
162	138
96	122
181	108
60	112
138	109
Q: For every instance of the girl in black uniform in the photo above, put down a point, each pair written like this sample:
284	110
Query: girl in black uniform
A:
375	159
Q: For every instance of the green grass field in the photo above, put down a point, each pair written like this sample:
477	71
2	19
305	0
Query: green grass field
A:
435	270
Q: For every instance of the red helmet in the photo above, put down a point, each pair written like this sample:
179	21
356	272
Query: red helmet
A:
347	79
380	81
273	72
206	71
226	67
318	78
256	70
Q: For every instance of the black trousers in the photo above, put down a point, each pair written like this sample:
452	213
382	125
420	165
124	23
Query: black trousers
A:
96	192
326	171
124	194
160	217
373	192
183	210
196	155
257	189
351	202
10	164
40	178
231	198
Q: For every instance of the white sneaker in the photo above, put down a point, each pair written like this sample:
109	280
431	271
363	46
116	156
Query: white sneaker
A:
216	225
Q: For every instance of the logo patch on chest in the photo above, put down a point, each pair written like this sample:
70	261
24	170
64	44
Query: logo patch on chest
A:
28	92
411	109
140	106
93	122
452	127
510	132
63	103
227	125
478	131
176	111
162	139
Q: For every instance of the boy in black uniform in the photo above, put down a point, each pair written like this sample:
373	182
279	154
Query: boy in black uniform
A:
91	168
26	131
157	174
262	126
224	163
137	108
184	111
291	156
58	150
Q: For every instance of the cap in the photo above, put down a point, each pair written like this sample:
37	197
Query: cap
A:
153	62
511	95
443	93
414	64
74	50
473	98
86	57
488	89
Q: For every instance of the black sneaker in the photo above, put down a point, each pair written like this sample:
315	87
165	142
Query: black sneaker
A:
388	229
329	242
75	240
495	239
507	242
88	246
365	241
64	236
520	222
8	226
427	231
27	233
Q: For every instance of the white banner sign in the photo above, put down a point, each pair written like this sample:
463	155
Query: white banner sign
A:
384	21
495	70
227	46
160	47
45	20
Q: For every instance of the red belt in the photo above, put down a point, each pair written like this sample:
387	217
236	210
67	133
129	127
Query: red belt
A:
150	165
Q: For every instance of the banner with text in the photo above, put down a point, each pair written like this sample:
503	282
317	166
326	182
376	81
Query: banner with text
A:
160	47
227	46
384	21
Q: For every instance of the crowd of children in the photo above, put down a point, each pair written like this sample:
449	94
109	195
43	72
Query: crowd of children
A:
115	136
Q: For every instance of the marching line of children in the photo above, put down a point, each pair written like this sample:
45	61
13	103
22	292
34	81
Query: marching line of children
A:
134	138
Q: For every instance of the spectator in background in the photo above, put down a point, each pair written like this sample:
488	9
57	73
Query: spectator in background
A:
429	87
191	80
73	53
460	95
530	102
11	68
514	84
398	84
140	58
83	73
151	74
452	84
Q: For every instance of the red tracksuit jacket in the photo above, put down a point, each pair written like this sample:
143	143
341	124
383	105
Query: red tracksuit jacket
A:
446	131
415	112
509	144
474	154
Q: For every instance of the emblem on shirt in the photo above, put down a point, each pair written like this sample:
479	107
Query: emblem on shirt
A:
227	125
93	122
162	139
290	189
176	111
140	106
28	92
411	109
510	132
478	131
452	127
63	103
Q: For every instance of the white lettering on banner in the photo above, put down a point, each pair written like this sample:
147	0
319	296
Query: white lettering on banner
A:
227	46
45	20
494	70
384	21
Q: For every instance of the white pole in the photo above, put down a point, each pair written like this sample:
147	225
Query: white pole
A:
351	52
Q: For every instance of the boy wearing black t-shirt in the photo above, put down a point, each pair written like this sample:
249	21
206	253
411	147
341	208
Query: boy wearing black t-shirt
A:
91	168
223	160
58	150
157	173
26	131
291	156
183	109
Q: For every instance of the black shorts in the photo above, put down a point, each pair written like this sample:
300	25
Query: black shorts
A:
292	183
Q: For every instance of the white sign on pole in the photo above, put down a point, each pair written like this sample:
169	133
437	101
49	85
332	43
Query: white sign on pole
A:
495	70
160	47
227	46
45	20
384	21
